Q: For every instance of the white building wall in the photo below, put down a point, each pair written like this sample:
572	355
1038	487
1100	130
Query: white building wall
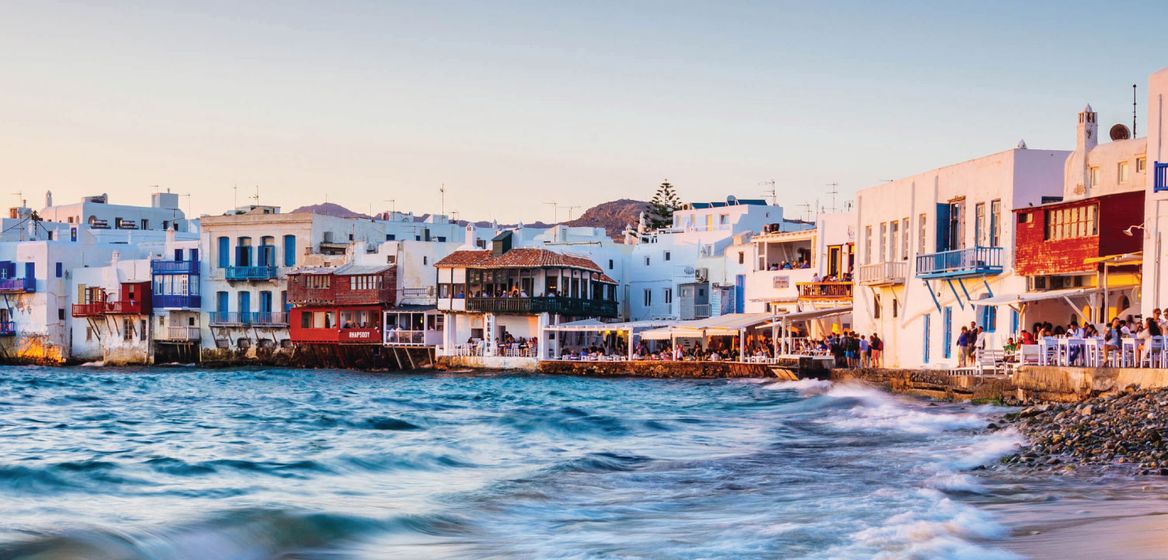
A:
1155	276
1017	177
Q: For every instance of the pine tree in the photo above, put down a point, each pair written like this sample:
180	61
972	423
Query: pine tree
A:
661	207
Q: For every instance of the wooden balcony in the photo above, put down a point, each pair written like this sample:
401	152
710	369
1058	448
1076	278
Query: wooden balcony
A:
573	307
251	319
17	285
824	290
180	334
883	274
174	267
96	309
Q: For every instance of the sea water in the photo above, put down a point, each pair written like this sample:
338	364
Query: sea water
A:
279	463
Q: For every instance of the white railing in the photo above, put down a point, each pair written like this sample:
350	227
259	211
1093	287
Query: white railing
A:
883	273
182	333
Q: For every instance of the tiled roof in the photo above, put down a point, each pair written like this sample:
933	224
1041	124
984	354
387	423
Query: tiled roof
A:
517	258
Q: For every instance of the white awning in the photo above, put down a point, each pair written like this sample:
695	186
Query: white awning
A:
809	315
721	325
1029	297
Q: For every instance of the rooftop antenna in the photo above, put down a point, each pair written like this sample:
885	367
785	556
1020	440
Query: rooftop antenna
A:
806	211
772	191
20	197
235	196
570	208
188	195
256	196
442	193
833	192
1133	110
392	207
555	210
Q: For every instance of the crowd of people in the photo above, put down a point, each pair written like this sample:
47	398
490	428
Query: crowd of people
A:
1113	334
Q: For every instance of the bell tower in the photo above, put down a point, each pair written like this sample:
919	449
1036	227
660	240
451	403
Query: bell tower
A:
1088	136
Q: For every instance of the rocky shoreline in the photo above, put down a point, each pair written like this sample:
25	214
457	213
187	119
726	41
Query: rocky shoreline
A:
1123	431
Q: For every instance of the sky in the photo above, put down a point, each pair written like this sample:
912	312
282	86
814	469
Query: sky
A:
514	105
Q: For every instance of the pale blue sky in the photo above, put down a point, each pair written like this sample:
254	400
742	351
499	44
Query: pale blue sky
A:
512	104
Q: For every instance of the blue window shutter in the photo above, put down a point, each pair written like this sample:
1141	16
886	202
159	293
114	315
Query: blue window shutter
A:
1014	322
60	269
947	332
224	252
30	270
221	303
928	319
289	250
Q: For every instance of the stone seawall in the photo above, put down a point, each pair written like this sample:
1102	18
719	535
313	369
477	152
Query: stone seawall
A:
932	384
657	369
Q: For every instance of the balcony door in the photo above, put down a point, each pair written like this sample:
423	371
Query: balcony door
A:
244	305
833	260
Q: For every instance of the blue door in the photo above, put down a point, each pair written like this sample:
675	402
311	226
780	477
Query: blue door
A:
265	302
739	293
221	305
928	320
244	306
194	255
289	250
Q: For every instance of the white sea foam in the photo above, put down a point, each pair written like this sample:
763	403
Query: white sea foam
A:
942	528
879	411
805	387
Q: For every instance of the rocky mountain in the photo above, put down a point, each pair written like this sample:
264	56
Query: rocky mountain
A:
613	216
329	209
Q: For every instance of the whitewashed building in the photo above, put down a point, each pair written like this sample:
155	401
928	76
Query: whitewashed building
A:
929	246
1155	224
99	214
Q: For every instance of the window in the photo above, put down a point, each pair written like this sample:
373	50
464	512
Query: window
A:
1141	165
224	252
127	331
922	234
741	257
1093	177
895	306
988	317
646	261
1121	172
667	255
648	297
893	238
610	264
305	320
668	296
425	260
904	243
867	244
979	224
995	223
289	250
1071	223
883	242
875	306
60	270
88	333
61	314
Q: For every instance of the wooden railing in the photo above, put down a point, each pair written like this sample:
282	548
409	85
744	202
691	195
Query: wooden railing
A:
576	307
824	290
960	262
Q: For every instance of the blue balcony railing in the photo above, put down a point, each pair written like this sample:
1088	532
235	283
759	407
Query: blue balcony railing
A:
174	267
7	328
247	273
172	301
1160	176
973	261
254	319
17	285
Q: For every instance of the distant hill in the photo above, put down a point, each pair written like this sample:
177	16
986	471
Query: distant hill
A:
613	216
329	209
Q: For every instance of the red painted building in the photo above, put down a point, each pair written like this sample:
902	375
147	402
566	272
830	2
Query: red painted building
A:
133	298
344	305
1062	238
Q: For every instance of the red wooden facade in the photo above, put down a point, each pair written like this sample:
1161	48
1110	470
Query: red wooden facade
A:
133	298
343	306
1058	238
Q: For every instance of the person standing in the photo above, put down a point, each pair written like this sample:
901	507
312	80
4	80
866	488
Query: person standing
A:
962	346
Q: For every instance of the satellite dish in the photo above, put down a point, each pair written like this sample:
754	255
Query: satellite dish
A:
1120	132
731	200
689	270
